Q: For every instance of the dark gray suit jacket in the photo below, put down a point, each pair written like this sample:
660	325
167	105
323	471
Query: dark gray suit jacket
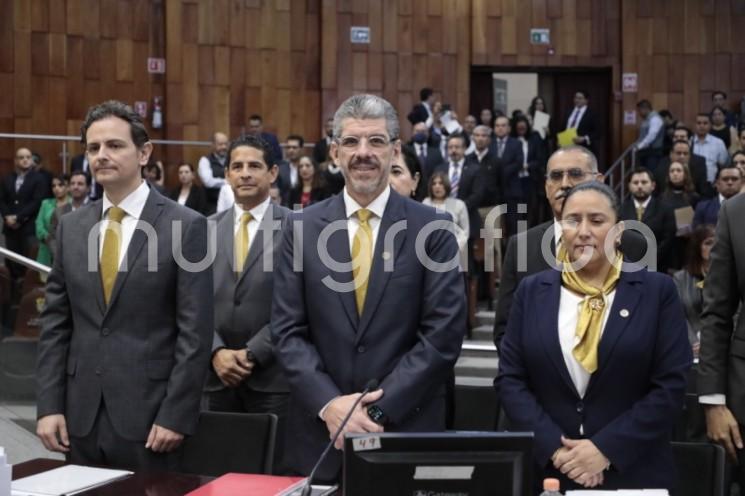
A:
243	305
722	357
146	353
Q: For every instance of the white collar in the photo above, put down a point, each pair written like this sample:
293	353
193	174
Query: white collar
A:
132	204
377	206
257	213
643	205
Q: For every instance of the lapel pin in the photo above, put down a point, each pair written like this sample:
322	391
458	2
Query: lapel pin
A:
624	313
386	255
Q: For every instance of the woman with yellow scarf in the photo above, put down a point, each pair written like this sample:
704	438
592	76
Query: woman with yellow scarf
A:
595	357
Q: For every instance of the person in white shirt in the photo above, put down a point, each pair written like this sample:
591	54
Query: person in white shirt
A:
649	146
710	147
211	168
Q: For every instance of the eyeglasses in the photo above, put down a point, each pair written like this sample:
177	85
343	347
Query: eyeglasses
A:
376	141
575	174
738	162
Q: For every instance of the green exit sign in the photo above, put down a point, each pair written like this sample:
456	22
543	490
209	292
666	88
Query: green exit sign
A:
540	36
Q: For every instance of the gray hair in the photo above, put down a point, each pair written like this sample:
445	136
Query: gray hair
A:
482	128
367	107
591	158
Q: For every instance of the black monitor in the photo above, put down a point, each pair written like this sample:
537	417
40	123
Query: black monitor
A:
472	463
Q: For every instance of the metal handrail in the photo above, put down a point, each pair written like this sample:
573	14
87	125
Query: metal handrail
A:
479	347
25	261
610	174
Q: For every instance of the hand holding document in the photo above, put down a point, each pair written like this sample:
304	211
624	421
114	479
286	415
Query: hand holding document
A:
566	137
540	122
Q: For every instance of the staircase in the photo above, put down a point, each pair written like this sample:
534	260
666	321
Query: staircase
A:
477	365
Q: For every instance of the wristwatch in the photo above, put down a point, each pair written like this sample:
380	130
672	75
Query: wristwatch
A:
377	415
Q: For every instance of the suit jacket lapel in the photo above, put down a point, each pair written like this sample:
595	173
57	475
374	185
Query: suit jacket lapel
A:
395	210
150	213
261	242
628	293
550	293
338	250
91	217
224	263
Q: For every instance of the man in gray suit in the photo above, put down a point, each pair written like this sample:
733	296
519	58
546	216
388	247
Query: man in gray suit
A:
721	367
245	376
126	332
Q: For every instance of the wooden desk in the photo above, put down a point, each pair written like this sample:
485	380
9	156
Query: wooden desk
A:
150	484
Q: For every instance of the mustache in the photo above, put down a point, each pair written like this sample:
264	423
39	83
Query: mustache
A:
364	161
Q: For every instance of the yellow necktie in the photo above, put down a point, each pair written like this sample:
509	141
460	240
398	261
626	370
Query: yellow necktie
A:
362	247
241	242
639	213
591	312
110	255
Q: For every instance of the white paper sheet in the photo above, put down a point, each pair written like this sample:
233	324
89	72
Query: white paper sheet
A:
68	479
540	122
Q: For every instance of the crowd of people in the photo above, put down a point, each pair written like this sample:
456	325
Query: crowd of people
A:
300	335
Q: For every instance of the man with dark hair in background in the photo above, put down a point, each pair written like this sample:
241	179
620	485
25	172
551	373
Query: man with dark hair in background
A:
256	128
728	183
582	118
288	176
645	208
422	111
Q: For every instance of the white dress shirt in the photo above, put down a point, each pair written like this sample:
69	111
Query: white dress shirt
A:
377	207
132	206
643	205
569	308
257	214
579	111
451	169
225	199
655	125
205	174
715	153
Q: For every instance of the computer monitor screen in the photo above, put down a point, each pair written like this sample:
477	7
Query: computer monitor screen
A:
451	463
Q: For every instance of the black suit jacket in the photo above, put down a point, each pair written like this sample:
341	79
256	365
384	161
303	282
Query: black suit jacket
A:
633	247
432	161
418	114
23	203
316	195
321	151
587	127
721	367
197	199
661	220
471	191
510	165
491	176
697	167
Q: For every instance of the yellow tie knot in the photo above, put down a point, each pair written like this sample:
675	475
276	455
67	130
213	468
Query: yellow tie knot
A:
116	214
245	219
363	215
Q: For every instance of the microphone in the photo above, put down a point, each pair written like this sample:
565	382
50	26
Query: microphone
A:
371	385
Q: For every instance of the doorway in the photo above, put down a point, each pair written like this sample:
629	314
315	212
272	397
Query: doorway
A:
491	88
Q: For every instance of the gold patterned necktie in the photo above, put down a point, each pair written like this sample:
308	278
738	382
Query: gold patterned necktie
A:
241	242
639	213
112	242
362	257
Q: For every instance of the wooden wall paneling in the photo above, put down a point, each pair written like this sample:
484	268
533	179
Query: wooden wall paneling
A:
175	101
144	89
645	68
73	16
405	71
298	24
220	19
125	19
419	32
436	77
463	58
584	9
206	65
267	26
6	102
221	101
554	9
708	73
282	122
74	80
390	26
174	39
691	88
723	22
435	29
141	14
57	17
676	73
644	8
92	59
434	8
221	65
405	34
359	71
90	18
660	74
124	60
190	21
313	115
693	28
253	68
494	41
22	74
375	72
584	37
205	26
390	81
524	21
421	77
707	8
738	7
39	54
57	54
738	76
480	32
405	7
109	20
709	34
539	20
269	87
570	27
675	103
660	38
237	74
190	83
39	107
598	29
252	98
39	15
22	16
508	32
93	94
723	71
312	55
7	37
329	37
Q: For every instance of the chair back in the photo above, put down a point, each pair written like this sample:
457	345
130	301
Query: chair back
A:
700	469
231	442
476	408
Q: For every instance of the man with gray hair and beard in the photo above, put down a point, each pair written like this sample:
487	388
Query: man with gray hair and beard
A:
368	303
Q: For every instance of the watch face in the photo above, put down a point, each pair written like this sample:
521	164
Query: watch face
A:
375	413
